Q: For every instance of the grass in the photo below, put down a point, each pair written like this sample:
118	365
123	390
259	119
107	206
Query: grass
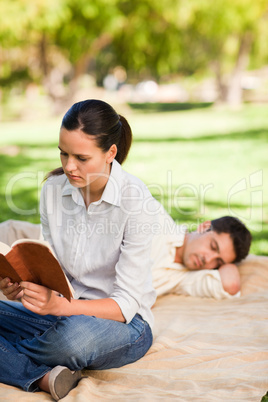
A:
201	163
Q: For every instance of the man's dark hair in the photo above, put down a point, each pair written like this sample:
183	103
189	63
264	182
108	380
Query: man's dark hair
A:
239	234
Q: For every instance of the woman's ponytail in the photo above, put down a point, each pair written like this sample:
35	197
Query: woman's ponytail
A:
125	140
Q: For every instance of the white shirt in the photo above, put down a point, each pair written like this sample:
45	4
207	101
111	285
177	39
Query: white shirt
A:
172	277
104	249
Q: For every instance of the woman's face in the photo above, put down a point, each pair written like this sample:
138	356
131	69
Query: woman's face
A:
83	162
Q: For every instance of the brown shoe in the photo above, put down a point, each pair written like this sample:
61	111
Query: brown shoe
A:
62	380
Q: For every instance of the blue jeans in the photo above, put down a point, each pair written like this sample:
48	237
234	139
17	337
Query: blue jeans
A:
31	344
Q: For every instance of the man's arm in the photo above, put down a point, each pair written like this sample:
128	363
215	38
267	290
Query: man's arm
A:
230	278
201	283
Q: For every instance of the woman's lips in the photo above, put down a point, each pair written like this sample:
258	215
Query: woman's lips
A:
72	177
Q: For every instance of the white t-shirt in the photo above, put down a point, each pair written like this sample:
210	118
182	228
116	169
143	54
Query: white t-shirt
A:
104	249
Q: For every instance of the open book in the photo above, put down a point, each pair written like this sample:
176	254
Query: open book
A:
33	261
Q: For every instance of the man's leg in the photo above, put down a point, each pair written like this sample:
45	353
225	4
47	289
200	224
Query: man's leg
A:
13	230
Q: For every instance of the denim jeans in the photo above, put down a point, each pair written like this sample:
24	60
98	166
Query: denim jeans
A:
31	344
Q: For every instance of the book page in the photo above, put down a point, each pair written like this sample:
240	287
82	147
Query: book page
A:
43	242
4	248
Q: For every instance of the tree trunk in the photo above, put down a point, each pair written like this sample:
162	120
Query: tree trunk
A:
43	55
219	82
80	67
234	90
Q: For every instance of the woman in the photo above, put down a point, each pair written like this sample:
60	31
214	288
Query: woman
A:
98	220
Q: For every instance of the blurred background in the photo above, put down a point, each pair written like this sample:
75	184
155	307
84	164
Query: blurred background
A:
191	78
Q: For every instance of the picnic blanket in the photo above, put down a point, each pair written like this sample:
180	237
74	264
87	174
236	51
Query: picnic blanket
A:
203	350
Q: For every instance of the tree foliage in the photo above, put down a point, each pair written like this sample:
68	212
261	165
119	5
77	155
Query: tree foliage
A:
149	38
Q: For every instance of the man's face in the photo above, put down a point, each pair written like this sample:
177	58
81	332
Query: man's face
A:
207	250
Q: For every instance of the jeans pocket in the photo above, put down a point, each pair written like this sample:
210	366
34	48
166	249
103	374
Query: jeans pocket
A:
141	328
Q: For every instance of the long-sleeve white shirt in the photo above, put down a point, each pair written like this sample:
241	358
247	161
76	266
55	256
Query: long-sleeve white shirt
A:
171	277
104	249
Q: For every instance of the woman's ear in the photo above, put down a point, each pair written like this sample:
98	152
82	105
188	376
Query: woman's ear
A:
111	154
204	227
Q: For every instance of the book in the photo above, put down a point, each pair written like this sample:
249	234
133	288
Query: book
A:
33	261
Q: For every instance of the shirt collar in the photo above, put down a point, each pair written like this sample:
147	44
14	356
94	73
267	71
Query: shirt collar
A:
74	192
67	188
111	193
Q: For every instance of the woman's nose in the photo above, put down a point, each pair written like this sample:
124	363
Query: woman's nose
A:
70	165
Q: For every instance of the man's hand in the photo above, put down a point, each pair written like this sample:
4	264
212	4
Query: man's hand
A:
39	299
230	278
12	291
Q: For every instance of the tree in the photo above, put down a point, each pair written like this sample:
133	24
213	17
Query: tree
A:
26	36
226	31
87	29
52	38
150	38
178	37
145	43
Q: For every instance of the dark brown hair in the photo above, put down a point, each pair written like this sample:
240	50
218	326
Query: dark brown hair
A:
238	232
99	120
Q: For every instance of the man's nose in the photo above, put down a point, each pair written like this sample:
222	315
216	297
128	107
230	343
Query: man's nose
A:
213	255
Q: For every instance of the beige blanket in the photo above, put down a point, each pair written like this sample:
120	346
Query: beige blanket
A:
203	350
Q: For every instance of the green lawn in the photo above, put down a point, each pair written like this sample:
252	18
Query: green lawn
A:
200	163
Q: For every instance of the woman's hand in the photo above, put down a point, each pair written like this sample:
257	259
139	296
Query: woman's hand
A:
43	301
12	291
39	299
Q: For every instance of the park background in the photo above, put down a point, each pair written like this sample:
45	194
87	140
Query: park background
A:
191	78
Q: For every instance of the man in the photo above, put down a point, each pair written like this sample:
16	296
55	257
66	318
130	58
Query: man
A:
200	263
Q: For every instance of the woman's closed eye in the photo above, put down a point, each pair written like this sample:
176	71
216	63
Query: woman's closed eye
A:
81	159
